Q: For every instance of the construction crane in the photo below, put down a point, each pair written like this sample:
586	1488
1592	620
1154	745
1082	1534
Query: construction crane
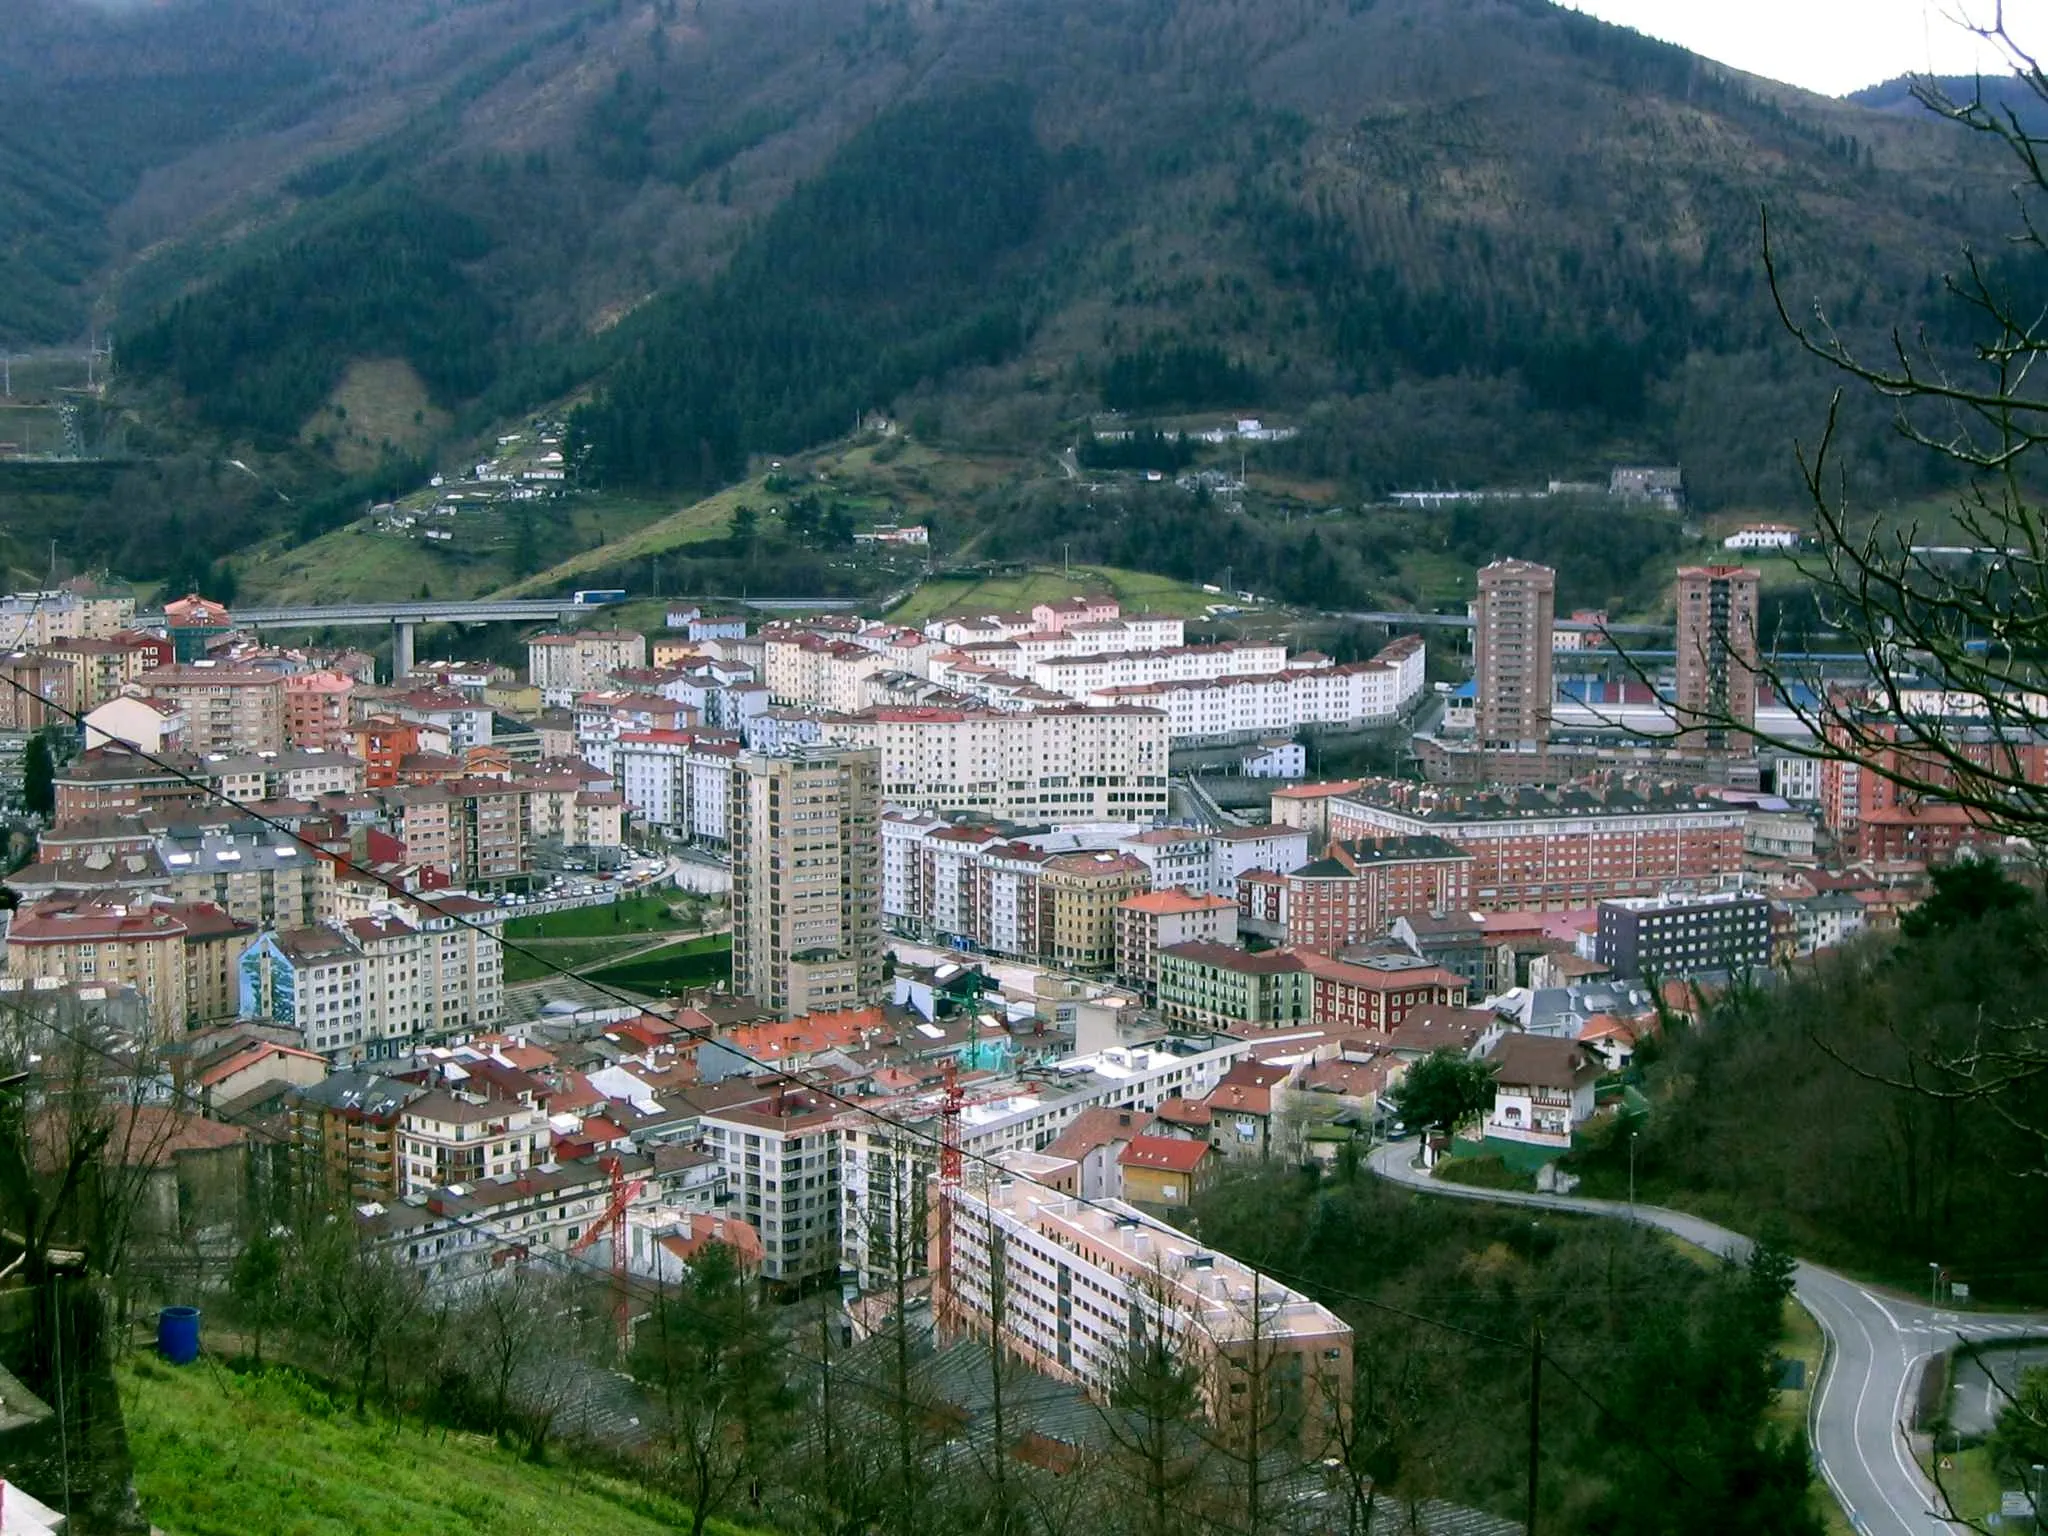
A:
949	1185
612	1223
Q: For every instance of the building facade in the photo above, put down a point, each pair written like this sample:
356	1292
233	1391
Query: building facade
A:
1717	656
806	880
1512	650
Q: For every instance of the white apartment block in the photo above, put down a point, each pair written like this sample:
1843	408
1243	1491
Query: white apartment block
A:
1180	858
1072	764
781	1162
460	1237
425	980
448	1137
1239	850
679	782
1078	1277
890	1161
1281	701
1105	629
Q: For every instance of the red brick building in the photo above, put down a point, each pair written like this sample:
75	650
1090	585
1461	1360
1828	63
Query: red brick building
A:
1609	834
1377	993
1357	889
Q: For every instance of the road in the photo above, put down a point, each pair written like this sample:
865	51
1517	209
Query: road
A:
1986	1382
1877	1345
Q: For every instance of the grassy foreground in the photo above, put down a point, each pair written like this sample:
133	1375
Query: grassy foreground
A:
219	1454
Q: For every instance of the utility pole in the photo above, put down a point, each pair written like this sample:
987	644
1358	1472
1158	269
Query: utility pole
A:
1535	1421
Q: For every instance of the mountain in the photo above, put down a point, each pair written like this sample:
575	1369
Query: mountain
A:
1457	241
2002	94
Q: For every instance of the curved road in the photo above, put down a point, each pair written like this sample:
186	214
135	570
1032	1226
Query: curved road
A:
1876	1346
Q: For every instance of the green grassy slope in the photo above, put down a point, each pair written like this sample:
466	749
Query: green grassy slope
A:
218	1454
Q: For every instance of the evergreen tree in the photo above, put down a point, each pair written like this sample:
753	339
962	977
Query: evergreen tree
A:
38	777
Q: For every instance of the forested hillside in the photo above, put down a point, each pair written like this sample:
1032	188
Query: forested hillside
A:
1882	1102
1456	241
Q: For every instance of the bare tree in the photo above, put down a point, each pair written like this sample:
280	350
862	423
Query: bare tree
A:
500	1326
1155	1399
1952	624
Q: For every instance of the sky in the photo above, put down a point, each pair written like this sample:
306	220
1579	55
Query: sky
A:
1831	46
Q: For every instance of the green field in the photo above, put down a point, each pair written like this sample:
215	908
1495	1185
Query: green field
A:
360	561
699	962
631	914
217	1454
576	955
696	523
1137	591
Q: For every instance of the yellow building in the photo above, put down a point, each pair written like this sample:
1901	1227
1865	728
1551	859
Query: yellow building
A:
1078	896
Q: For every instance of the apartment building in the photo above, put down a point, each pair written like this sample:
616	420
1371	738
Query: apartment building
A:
344	1133
466	722
1281	702
1078	1279
1219	986
100	667
1512	654
35	691
1078	896
1054	617
1240	850
888	1163
452	1136
602	718
426	977
1003	889
1717	656
227	709
214	941
249	871
1613	834
106	942
562	666
1159	919
295	773
313	980
1378	992
317	710
571	816
141	725
806	880
1306	808
678	782
479	830
39	618
1679	936
1175	858
1060	765
1357	888
462	1236
781	1162
820	672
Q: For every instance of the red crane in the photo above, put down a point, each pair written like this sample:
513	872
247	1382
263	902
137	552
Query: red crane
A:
612	1222
949	1185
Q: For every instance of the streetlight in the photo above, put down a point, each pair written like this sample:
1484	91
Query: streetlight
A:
1632	1175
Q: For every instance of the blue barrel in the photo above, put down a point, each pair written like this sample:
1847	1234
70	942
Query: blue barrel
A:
177	1334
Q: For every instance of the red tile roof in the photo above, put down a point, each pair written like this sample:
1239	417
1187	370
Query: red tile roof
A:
1170	1154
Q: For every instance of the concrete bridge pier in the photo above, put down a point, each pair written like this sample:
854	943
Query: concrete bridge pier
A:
402	631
